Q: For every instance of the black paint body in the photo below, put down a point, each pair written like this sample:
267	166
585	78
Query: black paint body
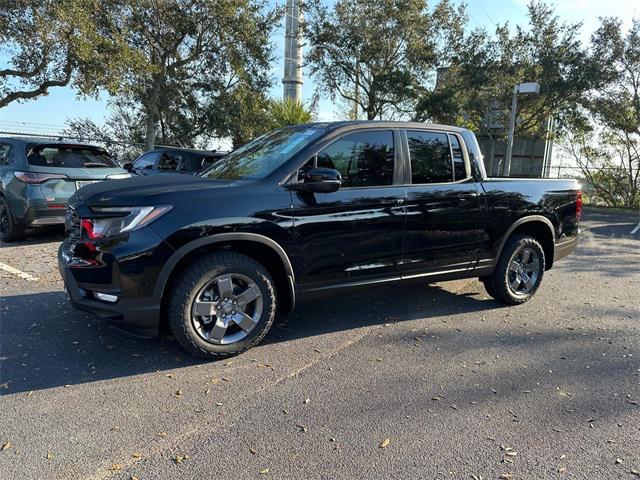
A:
314	243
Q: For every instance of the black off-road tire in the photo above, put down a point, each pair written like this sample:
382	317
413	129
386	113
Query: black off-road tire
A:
10	229
497	284
193	278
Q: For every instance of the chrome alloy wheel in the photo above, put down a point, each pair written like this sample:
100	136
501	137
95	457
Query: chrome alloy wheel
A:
524	271
227	309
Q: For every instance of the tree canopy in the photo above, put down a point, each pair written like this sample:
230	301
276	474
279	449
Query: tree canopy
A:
476	88
55	43
379	54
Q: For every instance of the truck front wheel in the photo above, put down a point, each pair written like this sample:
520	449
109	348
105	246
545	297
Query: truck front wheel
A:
519	271
221	304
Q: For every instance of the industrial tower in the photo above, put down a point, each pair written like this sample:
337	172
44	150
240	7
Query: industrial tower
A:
292	52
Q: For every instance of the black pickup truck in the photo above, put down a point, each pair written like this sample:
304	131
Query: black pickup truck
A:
305	211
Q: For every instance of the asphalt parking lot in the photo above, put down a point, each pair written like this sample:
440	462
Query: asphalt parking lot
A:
422	382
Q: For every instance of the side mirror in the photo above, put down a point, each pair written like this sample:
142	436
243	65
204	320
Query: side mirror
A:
128	166
320	180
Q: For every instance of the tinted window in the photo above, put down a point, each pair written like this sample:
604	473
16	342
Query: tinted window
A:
168	161
459	168
363	159
69	156
194	162
145	161
430	157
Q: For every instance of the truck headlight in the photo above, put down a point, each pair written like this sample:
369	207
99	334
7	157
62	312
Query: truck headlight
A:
112	221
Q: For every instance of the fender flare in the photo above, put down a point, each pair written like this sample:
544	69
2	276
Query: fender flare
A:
522	221
179	254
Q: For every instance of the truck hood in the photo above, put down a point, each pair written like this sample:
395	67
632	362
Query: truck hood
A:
149	190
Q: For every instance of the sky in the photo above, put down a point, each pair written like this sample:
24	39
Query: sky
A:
48	114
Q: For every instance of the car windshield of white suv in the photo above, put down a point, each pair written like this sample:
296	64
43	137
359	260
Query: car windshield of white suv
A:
262	156
69	156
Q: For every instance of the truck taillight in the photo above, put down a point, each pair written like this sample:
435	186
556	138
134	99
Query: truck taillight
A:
579	206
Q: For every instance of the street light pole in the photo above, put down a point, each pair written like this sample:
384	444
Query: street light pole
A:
527	87
506	169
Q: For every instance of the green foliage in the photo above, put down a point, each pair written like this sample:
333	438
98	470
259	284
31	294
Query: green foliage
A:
477	86
287	112
195	57
378	54
605	144
54	43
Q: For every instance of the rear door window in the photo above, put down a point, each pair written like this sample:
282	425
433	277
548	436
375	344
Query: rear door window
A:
69	156
430	156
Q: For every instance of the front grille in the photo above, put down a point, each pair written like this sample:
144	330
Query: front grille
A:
72	224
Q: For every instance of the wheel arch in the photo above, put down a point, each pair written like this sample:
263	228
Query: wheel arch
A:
540	228
259	247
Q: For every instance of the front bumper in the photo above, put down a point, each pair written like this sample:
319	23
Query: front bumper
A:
137	316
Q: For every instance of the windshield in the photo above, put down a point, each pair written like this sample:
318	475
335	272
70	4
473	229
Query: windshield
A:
262	156
69	156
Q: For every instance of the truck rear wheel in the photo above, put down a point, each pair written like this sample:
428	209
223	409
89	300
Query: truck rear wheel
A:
221	305
519	271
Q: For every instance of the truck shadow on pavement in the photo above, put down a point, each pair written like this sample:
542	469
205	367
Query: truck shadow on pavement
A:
45	343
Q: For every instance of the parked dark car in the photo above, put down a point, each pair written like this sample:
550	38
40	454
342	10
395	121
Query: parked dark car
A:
305	211
37	177
173	160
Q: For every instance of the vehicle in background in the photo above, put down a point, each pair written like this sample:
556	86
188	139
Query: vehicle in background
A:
173	160
309	210
37	177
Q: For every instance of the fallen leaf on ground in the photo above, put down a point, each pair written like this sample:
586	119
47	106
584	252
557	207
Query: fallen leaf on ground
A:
134	477
49	456
180	458
306	400
136	455
253	451
169	375
264	471
6	445
302	428
162	434
619	461
506	476
384	443
635	472
115	466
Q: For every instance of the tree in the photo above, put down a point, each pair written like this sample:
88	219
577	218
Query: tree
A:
606	147
476	88
55	43
195	55
288	112
122	134
378	54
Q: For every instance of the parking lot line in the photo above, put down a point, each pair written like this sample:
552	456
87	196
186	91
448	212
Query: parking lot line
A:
19	273
635	229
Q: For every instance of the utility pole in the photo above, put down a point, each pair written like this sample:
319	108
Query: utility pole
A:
292	52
